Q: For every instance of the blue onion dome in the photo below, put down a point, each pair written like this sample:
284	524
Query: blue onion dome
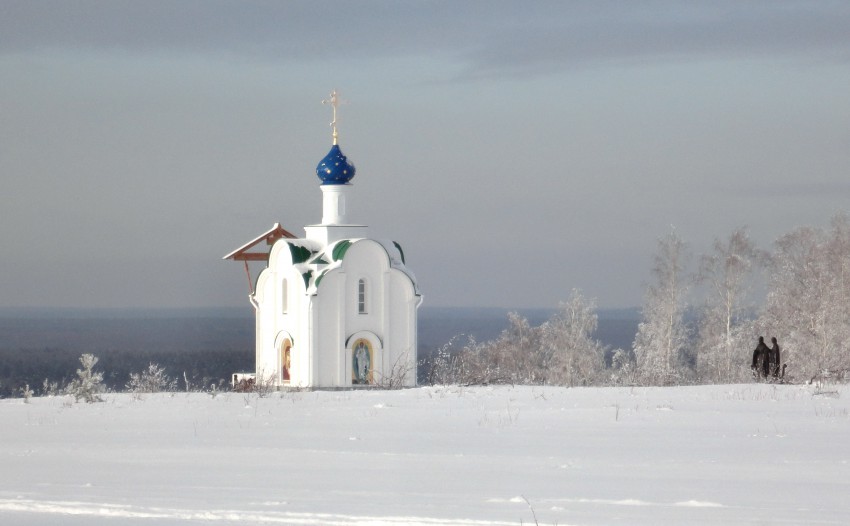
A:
335	168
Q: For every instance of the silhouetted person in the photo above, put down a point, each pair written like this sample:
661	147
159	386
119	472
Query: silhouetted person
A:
773	356
760	360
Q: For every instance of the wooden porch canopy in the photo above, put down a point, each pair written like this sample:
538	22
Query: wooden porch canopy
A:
242	253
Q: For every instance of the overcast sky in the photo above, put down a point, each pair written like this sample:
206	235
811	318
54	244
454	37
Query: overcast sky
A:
516	150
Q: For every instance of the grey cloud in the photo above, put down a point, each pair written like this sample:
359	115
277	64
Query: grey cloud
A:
740	30
162	142
485	38
812	189
820	190
266	29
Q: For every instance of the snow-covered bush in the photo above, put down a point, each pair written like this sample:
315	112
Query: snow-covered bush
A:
623	368
27	393
216	388
88	384
152	380
49	388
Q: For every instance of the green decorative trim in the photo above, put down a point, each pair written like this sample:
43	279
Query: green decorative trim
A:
299	254
321	275
401	252
307	275
340	249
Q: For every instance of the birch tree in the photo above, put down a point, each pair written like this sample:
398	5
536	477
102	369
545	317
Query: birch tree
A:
573	356
518	351
725	328
662	335
808	302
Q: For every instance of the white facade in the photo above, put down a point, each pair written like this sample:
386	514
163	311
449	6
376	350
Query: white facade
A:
335	308
316	313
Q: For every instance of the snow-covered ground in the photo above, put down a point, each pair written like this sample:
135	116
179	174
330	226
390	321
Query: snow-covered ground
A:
731	454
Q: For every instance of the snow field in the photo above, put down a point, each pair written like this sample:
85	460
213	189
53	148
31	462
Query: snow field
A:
725	454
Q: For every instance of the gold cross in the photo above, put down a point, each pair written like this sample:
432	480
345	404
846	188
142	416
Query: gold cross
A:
334	101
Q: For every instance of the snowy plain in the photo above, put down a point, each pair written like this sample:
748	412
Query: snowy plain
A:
727	454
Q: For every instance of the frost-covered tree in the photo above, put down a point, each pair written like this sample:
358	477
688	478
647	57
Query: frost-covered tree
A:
662	335
88	384
472	365
808	302
516	356
838	258
623	368
513	357
480	363
445	366
572	355
560	351
725	329
152	380
521	352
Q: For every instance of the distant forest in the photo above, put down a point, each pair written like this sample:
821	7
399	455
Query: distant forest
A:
39	346
46	344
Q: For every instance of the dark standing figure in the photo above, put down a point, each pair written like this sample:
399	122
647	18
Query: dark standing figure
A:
774	358
765	364
760	360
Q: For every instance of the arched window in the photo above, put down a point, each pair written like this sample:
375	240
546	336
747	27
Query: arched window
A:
284	297
361	296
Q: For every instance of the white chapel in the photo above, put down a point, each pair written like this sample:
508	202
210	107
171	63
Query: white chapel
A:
335	308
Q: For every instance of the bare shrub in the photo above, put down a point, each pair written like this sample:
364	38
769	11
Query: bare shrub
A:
397	377
265	385
245	385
